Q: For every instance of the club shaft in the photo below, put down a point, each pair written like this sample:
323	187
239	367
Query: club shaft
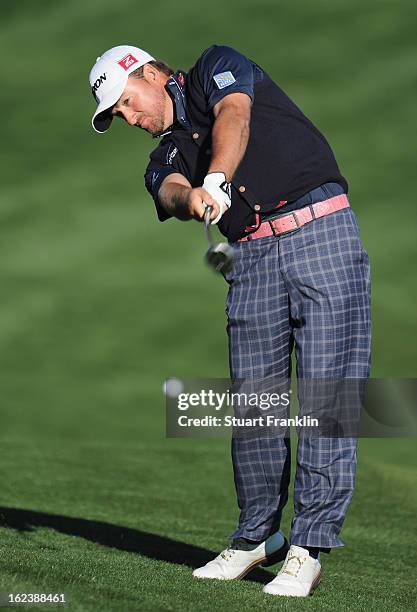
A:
207	214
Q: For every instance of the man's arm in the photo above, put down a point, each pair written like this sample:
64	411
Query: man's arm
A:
230	133
180	200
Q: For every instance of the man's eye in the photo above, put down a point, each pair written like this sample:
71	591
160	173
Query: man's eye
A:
126	102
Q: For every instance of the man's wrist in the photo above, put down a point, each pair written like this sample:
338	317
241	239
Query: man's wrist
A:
226	178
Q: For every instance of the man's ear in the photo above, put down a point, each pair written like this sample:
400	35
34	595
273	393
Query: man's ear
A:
150	73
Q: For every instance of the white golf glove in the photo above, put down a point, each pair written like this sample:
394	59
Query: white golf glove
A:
219	189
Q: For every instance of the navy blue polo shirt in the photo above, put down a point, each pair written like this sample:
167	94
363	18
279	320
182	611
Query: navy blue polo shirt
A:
286	155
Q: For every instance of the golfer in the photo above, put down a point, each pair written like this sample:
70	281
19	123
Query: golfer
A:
232	139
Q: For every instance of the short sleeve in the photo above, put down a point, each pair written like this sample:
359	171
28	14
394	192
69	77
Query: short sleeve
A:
162	163
223	71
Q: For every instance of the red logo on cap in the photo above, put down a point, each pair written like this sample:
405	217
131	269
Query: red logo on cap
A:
127	61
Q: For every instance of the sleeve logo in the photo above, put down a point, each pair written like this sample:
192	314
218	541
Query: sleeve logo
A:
224	79
127	61
154	178
171	154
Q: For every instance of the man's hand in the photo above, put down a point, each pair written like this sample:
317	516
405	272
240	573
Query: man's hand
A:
180	200
218	188
197	201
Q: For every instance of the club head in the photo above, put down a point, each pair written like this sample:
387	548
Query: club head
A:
220	257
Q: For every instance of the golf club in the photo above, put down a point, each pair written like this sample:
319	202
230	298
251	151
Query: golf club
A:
220	254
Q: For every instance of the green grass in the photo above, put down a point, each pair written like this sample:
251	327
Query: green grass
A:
100	303
119	523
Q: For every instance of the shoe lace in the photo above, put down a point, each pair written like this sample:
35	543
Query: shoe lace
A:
227	554
292	565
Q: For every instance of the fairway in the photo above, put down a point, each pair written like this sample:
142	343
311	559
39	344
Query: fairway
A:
101	303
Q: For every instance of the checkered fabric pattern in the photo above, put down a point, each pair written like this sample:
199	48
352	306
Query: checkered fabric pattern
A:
309	288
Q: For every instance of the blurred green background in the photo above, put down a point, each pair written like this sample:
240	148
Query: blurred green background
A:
100	302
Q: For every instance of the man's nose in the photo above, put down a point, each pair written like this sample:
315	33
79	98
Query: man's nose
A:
129	116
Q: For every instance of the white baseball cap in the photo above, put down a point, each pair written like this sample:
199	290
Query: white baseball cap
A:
108	78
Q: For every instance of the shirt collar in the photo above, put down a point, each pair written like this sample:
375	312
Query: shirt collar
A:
175	87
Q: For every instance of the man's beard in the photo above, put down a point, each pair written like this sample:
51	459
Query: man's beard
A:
157	120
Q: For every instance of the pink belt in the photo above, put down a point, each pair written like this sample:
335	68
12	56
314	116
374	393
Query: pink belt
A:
298	218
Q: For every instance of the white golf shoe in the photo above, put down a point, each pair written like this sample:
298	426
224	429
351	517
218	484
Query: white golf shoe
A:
298	577
234	563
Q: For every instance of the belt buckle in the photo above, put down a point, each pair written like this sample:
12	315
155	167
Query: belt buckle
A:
287	231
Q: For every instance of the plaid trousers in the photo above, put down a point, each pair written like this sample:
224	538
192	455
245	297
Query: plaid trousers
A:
309	288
